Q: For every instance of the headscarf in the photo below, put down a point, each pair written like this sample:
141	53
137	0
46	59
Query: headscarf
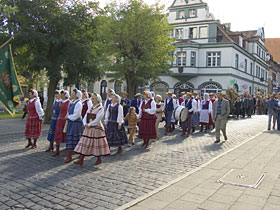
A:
112	91
78	93
148	94
97	97
34	92
118	98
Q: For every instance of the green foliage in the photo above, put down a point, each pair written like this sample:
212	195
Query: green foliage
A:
5	12
139	42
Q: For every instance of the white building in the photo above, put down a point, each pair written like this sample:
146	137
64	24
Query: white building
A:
210	57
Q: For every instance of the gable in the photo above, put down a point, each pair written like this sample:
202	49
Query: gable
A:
177	3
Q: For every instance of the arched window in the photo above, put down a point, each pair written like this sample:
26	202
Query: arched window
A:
103	89
183	87
160	88
118	87
210	87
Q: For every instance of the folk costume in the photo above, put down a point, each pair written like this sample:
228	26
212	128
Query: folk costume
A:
51	133
87	104
75	124
125	102
159	111
169	107
205	112
60	135
195	117
136	102
191	105
108	100
113	119
132	120
93	141
147	125
33	127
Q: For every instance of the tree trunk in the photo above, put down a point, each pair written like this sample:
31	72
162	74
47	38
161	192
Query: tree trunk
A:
51	92
131	86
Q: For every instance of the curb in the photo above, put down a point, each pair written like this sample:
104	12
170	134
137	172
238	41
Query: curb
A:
144	197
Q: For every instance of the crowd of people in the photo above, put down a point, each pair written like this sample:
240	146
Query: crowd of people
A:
90	128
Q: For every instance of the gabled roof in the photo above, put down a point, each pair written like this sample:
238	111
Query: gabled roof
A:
273	46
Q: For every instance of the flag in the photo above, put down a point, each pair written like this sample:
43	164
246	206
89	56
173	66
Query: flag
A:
10	90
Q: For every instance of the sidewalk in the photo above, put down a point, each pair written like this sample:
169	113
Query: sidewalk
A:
200	189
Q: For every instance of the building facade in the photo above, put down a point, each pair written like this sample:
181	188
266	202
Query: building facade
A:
210	57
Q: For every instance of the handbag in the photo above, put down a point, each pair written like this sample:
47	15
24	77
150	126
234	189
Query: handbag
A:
90	117
65	127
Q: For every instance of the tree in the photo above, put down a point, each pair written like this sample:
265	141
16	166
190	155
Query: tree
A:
5	12
139	40
57	36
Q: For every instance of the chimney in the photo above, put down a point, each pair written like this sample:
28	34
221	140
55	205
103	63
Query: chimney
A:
227	26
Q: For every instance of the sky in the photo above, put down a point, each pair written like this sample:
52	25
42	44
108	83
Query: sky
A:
242	14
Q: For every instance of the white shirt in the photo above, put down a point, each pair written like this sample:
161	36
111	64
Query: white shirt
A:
89	103
64	101
152	110
194	105
77	111
98	118
38	108
210	106
174	103
120	114
198	105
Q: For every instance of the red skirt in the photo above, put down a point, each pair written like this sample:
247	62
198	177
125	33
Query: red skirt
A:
59	136
147	129
33	127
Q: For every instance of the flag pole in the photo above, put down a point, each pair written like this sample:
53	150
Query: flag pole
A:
7	42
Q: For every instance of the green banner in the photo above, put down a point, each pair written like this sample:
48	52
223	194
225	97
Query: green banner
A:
10	89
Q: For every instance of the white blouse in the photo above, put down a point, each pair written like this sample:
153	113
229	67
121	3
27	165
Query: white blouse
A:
98	118
89	103
120	114
77	111
38	108
194	105
210	106
152	110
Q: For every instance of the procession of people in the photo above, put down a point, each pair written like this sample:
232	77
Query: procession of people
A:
90	129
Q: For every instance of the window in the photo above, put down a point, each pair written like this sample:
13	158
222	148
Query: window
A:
251	68
213	59
258	50
181	14
236	60
193	33
181	58
179	33
245	63
192	13
193	58
262	76
203	32
265	75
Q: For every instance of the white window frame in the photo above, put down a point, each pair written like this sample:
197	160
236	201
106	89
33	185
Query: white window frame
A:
215	59
182	59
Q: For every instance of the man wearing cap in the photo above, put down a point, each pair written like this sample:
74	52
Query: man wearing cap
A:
125	102
136	102
221	111
191	105
169	107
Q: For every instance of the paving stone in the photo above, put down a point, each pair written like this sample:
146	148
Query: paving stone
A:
241	206
209	205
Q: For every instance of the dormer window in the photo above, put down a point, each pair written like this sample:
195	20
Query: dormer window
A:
182	14
192	13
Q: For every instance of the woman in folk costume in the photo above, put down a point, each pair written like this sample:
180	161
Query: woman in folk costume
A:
87	104
93	141
147	115
159	111
54	120
60	136
108	101
195	118
115	132
181	99
75	123
205	112
33	128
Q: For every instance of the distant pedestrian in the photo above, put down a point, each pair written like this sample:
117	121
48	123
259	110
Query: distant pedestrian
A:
272	112
51	133
237	107
33	128
221	111
132	119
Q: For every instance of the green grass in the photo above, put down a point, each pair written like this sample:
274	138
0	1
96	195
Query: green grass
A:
6	115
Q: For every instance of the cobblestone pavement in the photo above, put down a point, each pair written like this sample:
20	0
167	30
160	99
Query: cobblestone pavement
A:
32	179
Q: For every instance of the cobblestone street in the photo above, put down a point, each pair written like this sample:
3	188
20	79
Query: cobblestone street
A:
33	179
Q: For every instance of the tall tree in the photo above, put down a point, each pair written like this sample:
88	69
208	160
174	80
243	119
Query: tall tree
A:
139	40
58	36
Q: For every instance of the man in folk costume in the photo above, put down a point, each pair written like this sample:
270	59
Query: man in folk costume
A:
54	120
169	107
195	118
159	111
136	102
205	118
181	99
115	132
33	128
221	111
75	124
191	105
110	94
60	135
87	104
147	116
125	102
93	141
